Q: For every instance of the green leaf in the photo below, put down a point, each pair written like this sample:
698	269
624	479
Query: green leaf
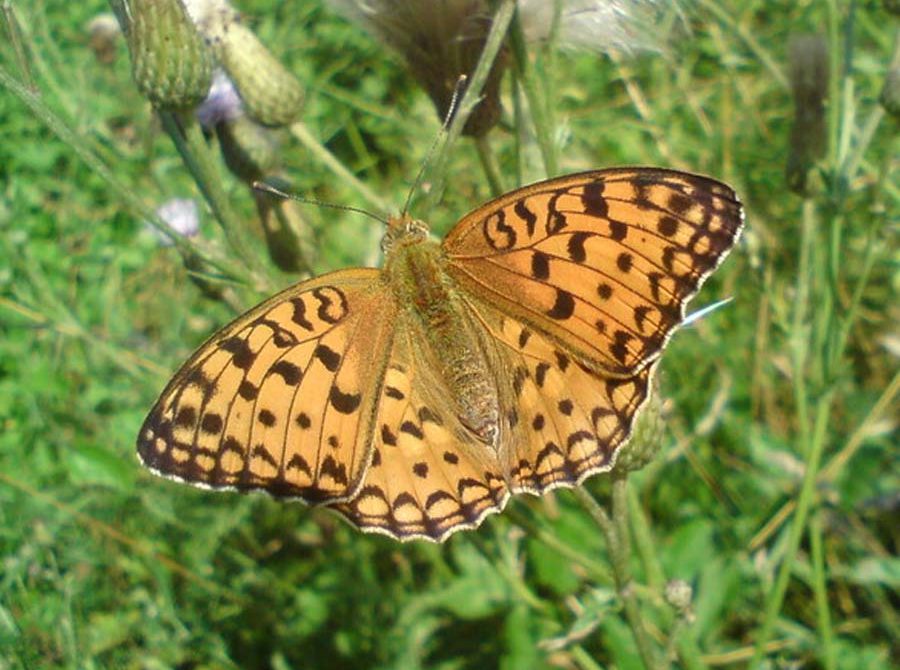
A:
91	464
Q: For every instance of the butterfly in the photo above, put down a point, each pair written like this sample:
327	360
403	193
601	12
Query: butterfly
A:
415	399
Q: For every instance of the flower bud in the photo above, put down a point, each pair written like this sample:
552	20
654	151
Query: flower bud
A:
272	95
809	84
439	42
250	151
678	594
890	93
182	217
103	34
170	62
646	436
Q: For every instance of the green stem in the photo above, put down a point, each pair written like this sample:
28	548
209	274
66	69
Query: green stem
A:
540	118
185	133
643	540
722	14
489	165
804	503
470	99
597	571
823	618
301	132
13	27
799	328
618	540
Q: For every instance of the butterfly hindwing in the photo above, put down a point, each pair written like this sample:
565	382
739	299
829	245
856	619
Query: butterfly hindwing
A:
428	476
566	421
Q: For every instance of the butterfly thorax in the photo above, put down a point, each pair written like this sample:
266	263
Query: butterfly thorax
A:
441	330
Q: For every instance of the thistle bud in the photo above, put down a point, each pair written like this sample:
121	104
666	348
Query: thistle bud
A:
181	215
809	84
439	42
170	62
103	34
288	236
271	94
645	437
679	594
250	151
890	93
222	104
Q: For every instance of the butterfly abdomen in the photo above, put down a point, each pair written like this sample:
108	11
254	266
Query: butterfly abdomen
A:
442	330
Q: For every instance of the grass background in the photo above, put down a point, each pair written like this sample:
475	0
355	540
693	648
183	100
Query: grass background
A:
781	401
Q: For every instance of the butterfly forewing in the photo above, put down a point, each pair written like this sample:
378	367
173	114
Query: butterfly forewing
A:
283	399
603	261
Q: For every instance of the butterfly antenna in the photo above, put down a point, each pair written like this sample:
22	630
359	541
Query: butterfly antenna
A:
442	133
263	187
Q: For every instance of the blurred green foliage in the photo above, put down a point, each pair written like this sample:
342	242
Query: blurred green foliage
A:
106	566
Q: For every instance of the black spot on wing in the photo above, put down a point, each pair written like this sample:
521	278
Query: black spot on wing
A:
331	468
563	307
299	315
297	462
290	373
345	403
247	390
394	393
522	211
412	429
618	230
242	356
388	437
593	201
186	417
329	357
540	265
211	423
575	246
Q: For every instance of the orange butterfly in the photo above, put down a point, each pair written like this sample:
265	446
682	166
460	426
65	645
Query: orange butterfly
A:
415	399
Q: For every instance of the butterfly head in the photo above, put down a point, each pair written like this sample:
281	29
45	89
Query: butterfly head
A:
403	231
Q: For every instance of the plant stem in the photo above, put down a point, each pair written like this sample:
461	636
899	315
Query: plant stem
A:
126	196
470	99
618	540
300	131
489	165
827	653
643	540
804	502
525	74
185	133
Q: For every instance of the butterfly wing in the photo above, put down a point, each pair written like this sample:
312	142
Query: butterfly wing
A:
603	262
567	421
282	399
429	476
